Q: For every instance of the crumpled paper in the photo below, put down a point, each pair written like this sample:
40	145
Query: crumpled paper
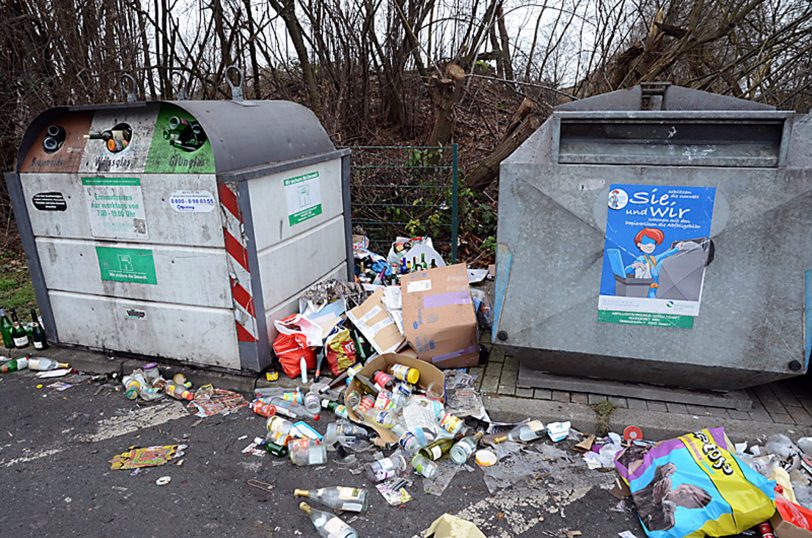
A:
448	526
151	456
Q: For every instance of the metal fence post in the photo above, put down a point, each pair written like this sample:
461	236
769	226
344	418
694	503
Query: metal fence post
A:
455	205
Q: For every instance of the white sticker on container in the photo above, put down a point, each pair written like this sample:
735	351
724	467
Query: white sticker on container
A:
192	201
418	285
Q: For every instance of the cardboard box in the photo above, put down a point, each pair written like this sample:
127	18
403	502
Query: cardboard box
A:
376	324
428	375
783	528
438	316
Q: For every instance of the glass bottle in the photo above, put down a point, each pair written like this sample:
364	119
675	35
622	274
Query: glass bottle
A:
6	328
37	334
307	452
380	470
405	373
41	364
337	497
529	431
424	466
13	365
327	524
435	450
465	448
18	334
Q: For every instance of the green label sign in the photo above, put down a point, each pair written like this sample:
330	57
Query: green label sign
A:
303	194
126	265
179	145
646	318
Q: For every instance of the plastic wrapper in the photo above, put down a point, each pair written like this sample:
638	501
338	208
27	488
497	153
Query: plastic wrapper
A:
516	468
695	486
340	350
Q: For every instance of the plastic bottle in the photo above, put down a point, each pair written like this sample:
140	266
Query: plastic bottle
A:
465	448
5	330
328	525
312	403
337	498
294	396
405	373
178	392
424	466
529	431
41	364
380	470
263	409
307	452
132	387
12	365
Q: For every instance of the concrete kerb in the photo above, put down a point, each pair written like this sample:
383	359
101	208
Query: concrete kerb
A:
656	425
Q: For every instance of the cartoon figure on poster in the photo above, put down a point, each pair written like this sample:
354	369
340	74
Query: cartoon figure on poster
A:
656	250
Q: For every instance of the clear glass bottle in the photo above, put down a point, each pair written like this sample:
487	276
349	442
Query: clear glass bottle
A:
327	524
307	452
465	448
380	470
424	466
41	364
529	431
338	498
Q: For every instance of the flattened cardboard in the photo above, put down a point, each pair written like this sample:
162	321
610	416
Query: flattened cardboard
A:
438	316
376	324
428	375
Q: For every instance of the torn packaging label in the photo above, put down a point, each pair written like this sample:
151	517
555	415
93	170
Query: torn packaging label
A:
438	316
151	456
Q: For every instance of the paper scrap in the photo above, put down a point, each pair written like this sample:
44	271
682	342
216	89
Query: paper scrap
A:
54	373
151	456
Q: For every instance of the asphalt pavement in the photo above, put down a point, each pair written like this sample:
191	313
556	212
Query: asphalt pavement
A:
56	479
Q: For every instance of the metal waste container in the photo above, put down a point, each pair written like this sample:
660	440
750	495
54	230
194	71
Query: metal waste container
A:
180	229
659	234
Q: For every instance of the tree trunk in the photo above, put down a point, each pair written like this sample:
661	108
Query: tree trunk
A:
445	92
287	12
522	125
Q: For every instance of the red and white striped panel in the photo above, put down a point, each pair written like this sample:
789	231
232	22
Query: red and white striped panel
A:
238	271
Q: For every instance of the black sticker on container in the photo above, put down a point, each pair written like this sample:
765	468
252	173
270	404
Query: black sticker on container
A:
134	313
49	201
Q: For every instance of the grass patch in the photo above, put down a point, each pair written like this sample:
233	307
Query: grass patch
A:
15	284
603	410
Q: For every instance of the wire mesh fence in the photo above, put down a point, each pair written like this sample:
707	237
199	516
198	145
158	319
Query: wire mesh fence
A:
406	191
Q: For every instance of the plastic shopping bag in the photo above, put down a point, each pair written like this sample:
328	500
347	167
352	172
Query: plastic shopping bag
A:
291	345
693	486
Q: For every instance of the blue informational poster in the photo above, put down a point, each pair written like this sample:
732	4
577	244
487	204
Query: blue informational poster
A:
654	258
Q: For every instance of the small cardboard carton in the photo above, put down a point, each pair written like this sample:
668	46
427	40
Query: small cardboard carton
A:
376	324
428	375
438	316
787	512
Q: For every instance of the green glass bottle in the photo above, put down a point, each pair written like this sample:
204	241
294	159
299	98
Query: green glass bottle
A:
5	329
18	334
423	263
37	334
435	450
14	365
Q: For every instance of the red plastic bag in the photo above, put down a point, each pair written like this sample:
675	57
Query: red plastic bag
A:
290	346
793	513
